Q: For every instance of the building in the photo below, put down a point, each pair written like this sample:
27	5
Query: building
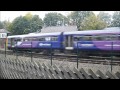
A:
59	29
3	34
68	29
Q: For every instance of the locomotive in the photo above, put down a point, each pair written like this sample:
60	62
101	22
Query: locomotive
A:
90	41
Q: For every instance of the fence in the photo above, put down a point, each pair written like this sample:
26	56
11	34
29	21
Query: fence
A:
25	69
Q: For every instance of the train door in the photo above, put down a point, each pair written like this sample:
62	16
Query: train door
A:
69	42
11	42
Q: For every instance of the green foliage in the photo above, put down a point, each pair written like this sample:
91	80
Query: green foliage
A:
26	24
116	19
28	16
55	19
7	25
36	23
106	17
77	17
92	23
1	25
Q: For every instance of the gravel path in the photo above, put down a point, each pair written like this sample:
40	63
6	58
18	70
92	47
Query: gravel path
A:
71	65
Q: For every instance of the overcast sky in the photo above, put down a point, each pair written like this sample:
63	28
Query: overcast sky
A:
11	15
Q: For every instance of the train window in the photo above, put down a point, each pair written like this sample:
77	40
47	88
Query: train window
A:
25	39
107	38
82	38
34	39
30	39
54	38
97	38
18	39
41	38
47	38
112	37
87	38
78	38
118	37
9	41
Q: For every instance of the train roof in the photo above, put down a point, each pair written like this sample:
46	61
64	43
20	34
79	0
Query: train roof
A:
105	31
43	34
17	36
34	35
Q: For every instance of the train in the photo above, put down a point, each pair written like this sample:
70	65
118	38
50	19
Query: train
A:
86	42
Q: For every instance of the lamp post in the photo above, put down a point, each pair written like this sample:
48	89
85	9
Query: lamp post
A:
51	53
77	55
0	16
111	55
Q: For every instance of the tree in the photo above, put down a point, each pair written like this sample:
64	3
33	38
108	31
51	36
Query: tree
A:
36	23
28	16
106	17
17	26
92	23
26	24
55	19
7	24
1	25
116	19
77	17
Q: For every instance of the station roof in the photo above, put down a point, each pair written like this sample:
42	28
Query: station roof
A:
4	31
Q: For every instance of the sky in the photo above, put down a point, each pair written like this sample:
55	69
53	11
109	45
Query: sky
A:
11	15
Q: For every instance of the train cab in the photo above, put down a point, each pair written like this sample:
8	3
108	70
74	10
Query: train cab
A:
14	41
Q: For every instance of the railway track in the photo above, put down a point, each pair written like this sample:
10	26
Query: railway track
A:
70	58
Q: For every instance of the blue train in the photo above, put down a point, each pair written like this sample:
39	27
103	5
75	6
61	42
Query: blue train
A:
91	40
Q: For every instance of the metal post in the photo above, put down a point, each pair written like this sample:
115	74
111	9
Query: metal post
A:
16	51
51	54
5	49
31	53
77	55
111	55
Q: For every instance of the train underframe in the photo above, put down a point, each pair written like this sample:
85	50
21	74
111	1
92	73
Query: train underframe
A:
74	51
105	53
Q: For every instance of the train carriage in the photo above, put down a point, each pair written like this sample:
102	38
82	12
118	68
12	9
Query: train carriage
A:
93	40
39	42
